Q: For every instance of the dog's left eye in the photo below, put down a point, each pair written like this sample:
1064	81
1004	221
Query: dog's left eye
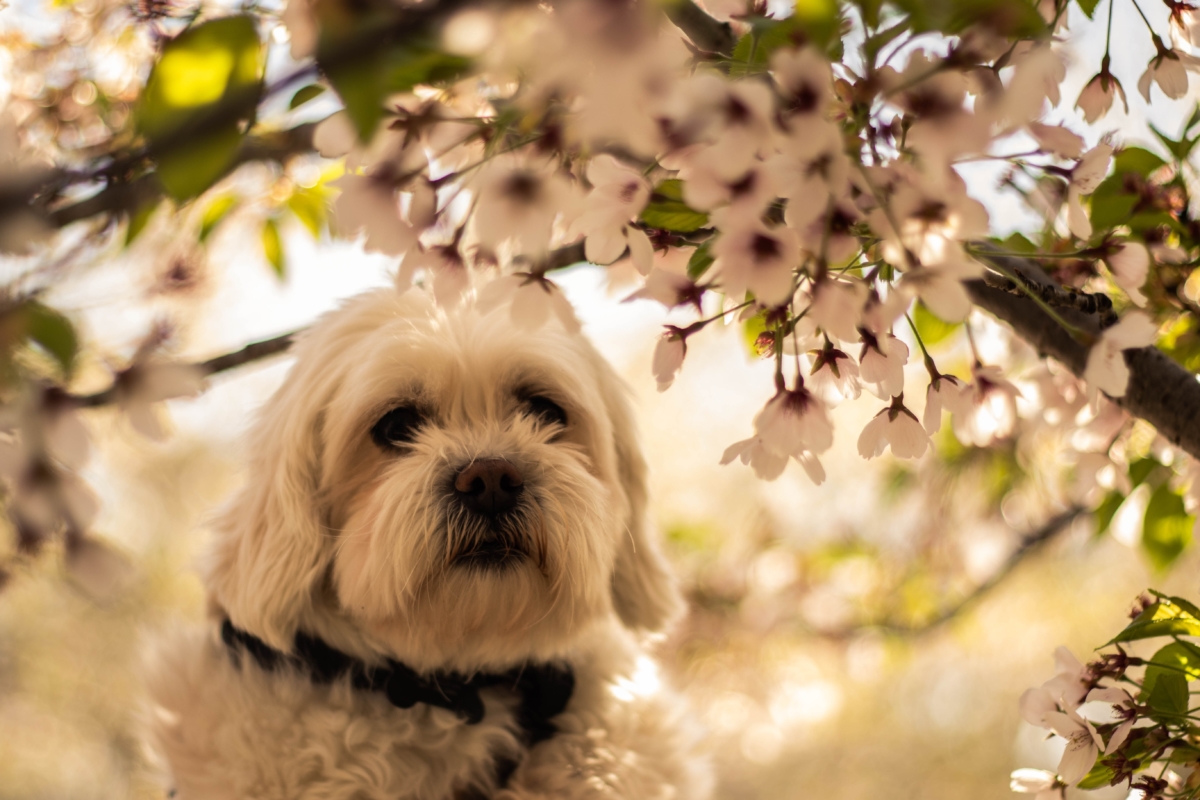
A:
397	427
547	411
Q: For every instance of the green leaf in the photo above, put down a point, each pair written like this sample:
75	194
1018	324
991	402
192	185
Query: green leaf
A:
1107	510
138	221
305	94
1016	19
1160	619
1100	775
1088	7
932	328
818	19
1180	149
52	332
364	83
1111	204
309	206
1167	527
1177	658
752	329
214	213
1170	694
1136	159
273	247
1186	606
883	38
667	210
206	82
1140	469
700	261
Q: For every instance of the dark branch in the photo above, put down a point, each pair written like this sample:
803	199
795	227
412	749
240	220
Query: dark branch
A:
1030	544
1160	391
255	351
117	198
705	32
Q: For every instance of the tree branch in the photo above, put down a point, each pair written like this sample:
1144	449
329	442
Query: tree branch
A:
704	31
256	351
1030	544
277	146
1160	391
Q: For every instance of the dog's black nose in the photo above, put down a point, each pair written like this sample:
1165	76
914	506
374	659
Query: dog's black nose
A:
489	486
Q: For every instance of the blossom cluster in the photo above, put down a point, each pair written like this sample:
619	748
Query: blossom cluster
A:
1123	718
777	186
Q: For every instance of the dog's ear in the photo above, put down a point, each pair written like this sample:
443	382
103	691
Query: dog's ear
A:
271	549
644	592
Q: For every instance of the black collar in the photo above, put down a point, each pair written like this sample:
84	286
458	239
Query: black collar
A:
543	689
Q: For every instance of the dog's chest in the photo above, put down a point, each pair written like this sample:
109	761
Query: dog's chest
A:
242	732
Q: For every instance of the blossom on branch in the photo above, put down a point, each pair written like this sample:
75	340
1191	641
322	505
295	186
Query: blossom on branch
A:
895	426
1106	369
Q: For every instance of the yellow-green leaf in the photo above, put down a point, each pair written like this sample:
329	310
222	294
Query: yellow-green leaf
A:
305	94
205	83
53	333
272	245
309	206
214	213
932	329
1166	528
1177	658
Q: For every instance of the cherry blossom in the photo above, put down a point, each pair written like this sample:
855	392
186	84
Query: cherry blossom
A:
1130	263
1058	139
532	301
1042	783
837	307
753	257
895	426
795	421
1085	177
881	364
519	202
618	194
371	204
989	408
1106	369
668	358
944	392
767	463
147	382
1097	96
1083	745
1167	70
834	375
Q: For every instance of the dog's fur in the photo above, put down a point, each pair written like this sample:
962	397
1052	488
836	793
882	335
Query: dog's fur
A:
338	537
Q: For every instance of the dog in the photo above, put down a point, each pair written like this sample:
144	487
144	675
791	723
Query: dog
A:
436	582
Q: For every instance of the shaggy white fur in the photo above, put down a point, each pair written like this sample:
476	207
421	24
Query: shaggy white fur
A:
363	541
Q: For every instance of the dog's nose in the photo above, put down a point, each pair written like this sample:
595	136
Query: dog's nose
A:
489	486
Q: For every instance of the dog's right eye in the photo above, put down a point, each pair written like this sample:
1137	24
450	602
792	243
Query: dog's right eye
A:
396	427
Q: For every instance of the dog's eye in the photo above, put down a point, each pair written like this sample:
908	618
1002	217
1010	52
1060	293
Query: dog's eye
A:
397	426
547	411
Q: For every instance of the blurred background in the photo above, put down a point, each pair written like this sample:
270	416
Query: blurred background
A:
862	639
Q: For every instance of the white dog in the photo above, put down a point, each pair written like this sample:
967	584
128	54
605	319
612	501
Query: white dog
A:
435	581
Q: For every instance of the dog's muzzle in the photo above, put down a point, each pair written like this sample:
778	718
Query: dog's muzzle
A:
489	492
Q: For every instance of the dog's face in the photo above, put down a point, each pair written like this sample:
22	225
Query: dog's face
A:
468	492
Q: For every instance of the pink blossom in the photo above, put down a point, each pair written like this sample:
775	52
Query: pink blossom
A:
834	376
795	421
989	408
1106	369
1085	177
1130	263
1167	70
754	257
945	391
767	463
881	364
1097	96
895	426
837	307
532	300
668	358
1058	139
